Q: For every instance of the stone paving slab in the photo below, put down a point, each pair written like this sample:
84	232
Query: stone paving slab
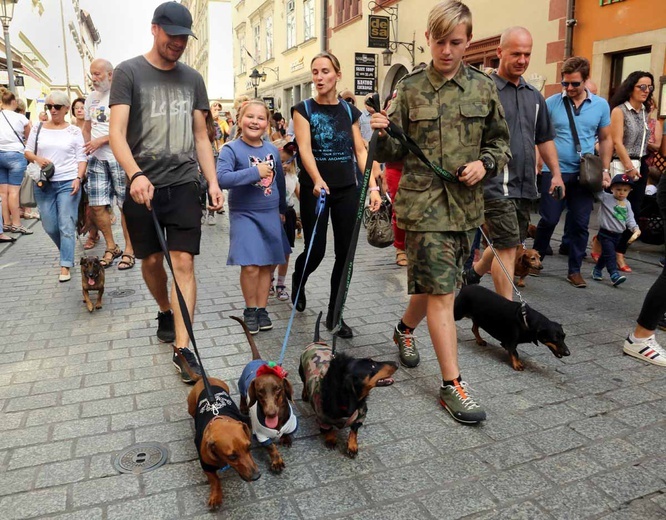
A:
565	439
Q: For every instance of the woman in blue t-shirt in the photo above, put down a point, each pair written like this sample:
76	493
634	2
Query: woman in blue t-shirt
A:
329	139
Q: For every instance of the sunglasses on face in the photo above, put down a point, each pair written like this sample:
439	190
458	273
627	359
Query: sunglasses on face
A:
48	106
645	88
574	84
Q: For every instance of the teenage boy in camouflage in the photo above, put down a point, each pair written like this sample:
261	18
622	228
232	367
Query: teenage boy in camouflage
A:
453	112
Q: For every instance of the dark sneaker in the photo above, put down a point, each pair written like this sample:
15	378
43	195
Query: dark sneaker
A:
662	323
251	320
185	362
265	322
462	407
470	277
345	330
300	303
409	355
166	329
597	275
617	279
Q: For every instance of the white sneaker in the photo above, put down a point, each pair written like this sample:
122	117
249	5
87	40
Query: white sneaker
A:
647	349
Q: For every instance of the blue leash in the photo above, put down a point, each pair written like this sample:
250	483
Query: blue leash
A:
321	204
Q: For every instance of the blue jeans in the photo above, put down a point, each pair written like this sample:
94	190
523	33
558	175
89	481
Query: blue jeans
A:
59	210
579	202
609	241
12	168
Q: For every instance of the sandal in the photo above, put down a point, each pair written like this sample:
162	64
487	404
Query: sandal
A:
20	229
401	258
124	265
91	242
115	253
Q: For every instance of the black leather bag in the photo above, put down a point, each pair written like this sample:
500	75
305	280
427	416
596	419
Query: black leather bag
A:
591	170
380	229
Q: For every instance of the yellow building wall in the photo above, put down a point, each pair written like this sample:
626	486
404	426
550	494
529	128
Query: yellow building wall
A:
490	18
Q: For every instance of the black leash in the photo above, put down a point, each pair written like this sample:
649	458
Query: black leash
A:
183	310
398	133
345	280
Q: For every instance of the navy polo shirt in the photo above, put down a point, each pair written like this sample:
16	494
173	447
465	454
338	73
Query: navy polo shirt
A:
592	115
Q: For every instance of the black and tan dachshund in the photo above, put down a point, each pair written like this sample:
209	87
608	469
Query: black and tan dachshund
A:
504	321
337	387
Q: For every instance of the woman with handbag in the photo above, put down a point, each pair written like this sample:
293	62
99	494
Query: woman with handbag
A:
14	129
630	109
57	148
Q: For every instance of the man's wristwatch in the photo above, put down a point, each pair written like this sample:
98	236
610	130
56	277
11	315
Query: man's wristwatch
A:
488	163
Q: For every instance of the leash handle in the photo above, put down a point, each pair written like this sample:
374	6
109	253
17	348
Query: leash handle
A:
183	306
319	210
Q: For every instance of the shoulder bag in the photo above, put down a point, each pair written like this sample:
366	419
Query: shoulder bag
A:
380	229
591	174
34	171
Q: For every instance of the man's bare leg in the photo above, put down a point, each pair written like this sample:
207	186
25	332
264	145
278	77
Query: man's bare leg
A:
443	333
129	249
152	269
416	310
102	221
183	266
484	264
503	284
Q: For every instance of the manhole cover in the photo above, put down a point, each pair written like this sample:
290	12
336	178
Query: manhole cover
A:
121	293
141	458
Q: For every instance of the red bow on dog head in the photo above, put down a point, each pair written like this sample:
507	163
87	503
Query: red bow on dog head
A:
272	368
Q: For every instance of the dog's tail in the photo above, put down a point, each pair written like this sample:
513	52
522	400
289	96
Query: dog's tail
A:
316	334
250	339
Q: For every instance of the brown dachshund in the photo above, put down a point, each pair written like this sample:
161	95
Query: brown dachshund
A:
337	388
526	259
265	396
222	437
92	279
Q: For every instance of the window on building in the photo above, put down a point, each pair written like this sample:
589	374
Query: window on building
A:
346	10
624	63
256	33
241	54
307	90
308	19
269	37
291	24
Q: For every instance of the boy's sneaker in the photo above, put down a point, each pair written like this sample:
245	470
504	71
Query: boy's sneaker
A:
597	275
662	323
409	355
617	279
166	329
264	321
282	293
646	349
185	362
462	407
471	277
251	320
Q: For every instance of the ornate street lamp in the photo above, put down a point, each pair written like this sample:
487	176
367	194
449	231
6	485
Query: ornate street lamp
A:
6	15
255	77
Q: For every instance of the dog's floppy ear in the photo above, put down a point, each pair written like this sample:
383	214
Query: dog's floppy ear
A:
83	258
247	431
251	394
288	389
211	449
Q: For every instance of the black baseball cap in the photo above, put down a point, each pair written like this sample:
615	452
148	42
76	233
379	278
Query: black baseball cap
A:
174	18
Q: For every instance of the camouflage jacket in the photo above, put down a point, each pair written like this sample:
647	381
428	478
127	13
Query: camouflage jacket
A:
454	122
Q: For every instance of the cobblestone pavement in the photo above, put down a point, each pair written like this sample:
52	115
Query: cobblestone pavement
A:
580	437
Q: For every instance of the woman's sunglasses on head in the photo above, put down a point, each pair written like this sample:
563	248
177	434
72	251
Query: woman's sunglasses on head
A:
48	106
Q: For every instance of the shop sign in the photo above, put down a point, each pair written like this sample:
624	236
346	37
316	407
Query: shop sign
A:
270	102
297	65
365	73
379	28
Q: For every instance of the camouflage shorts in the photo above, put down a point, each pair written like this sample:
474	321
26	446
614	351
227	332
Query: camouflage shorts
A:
507	221
436	260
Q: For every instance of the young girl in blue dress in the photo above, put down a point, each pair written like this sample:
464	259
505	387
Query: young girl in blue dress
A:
251	169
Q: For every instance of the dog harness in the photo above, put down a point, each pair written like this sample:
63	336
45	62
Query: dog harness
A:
263	433
223	406
315	361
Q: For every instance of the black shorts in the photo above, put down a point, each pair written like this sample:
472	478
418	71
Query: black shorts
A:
178	211
290	225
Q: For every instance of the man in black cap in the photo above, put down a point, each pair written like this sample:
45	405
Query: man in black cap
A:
158	134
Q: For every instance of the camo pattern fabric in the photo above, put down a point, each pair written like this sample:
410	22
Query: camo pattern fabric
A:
454	122
435	260
315	360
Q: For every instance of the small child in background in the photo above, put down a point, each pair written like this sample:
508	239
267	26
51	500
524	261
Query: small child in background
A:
250	168
615	215
288	158
652	181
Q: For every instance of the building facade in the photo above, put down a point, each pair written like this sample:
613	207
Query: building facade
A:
278	40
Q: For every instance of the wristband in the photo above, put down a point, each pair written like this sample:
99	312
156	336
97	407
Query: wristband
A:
374	188
137	174
605	170
630	170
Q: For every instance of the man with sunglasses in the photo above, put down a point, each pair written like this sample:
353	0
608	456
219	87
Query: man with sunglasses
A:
591	115
158	135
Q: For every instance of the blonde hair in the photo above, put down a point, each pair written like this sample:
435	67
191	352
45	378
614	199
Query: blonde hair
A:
238	102
287	168
243	108
446	16
330	57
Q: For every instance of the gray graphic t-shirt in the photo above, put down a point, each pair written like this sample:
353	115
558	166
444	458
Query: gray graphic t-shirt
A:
159	130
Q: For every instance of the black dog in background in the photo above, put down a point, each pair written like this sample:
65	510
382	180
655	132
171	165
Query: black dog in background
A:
504	321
